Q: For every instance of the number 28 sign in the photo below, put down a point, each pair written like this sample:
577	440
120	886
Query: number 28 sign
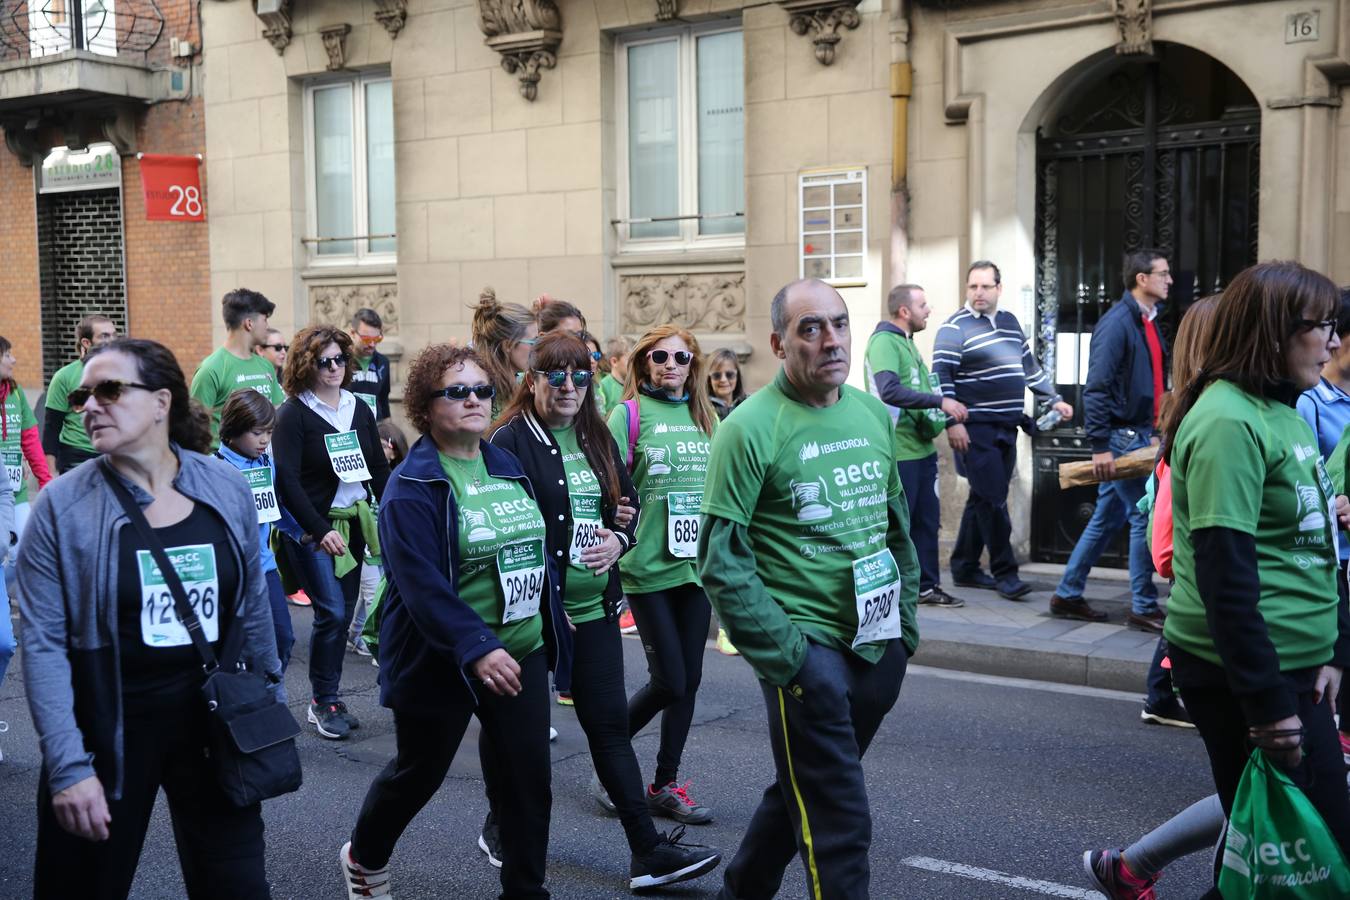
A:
173	188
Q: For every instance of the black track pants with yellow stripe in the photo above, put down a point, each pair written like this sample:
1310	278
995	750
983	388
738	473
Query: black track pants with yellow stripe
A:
819	727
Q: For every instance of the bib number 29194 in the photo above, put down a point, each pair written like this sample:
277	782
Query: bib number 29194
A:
344	454
682	523
876	589
520	569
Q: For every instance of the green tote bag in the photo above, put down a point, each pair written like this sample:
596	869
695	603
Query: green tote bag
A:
1277	845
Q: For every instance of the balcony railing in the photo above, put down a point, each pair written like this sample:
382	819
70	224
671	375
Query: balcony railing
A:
34	29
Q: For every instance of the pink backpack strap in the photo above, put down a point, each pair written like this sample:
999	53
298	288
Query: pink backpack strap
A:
634	425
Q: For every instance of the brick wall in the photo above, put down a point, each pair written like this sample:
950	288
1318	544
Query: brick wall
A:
20	317
167	263
80	268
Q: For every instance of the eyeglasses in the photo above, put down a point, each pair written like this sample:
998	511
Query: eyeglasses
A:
332	362
105	392
368	340
528	342
557	378
462	392
1165	273
597	355
278	348
722	376
682	357
1327	325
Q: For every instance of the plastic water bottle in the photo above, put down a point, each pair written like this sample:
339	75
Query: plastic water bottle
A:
1049	420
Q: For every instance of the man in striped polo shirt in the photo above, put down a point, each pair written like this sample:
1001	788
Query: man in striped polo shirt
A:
982	359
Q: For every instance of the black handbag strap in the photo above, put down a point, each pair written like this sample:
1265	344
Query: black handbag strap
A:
186	614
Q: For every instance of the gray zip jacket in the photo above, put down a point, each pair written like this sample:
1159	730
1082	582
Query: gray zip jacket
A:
67	570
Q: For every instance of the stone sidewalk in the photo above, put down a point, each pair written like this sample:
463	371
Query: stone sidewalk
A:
993	636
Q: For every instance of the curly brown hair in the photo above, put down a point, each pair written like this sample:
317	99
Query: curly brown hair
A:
302	360
424	378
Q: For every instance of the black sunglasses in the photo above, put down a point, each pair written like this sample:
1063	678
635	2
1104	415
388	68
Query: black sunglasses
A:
557	378
682	357
722	376
276	347
332	362
104	392
462	392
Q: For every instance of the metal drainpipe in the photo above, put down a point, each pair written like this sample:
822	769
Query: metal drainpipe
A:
902	83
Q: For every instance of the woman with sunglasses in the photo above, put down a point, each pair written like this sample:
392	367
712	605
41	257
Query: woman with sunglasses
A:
331	472
725	388
114	682
1256	633
664	426
472	623
503	334
554	429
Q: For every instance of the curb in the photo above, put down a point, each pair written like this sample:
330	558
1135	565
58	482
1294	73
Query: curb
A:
947	647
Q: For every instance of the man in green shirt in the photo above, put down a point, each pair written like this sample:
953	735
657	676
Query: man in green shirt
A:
895	372
610	389
64	440
237	364
805	554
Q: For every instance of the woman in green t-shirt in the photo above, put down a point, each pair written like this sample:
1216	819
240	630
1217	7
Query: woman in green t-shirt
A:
553	428
1257	634
471	623
503	334
665	426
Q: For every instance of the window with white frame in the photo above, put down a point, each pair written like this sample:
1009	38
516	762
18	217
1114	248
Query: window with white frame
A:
834	225
682	138
349	158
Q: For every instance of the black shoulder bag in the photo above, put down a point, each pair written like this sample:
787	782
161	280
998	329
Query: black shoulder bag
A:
251	736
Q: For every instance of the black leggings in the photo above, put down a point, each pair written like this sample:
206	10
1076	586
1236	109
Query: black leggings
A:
220	847
1218	717
674	627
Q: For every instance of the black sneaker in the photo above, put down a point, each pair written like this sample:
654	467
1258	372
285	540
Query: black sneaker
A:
938	597
328	720
671	860
490	841
352	721
976	579
1173	714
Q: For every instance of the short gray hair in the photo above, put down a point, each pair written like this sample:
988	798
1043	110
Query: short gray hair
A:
901	295
778	308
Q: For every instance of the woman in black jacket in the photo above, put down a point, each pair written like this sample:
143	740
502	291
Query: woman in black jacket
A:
554	429
331	471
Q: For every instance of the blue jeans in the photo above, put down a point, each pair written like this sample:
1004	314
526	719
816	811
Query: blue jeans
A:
281	617
334	602
918	477
7	644
1116	503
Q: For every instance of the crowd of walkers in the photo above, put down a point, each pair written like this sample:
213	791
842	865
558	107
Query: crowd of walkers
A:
561	491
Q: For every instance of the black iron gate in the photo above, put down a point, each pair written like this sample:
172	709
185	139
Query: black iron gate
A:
1162	152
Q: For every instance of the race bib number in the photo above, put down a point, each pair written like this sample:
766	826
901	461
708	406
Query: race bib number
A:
876	587
682	523
520	568
264	494
344	452
370	401
14	469
585	523
196	568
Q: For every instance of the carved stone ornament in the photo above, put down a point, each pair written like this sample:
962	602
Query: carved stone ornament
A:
392	14
666	10
335	45
333	304
276	19
1134	18
526	33
697	301
822	19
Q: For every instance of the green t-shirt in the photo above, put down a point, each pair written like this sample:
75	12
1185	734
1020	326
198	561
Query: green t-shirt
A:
584	598
670	463
609	393
67	379
222	373
811	486
18	416
915	429
501	547
1252	465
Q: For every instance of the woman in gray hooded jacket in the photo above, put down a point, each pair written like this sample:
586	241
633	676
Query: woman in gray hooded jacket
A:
113	680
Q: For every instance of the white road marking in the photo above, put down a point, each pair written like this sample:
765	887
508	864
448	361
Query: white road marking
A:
1044	888
1052	687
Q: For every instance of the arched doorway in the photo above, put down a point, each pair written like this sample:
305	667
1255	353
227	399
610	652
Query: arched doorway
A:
1158	151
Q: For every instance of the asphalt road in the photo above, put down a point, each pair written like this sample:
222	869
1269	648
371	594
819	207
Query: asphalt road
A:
1011	779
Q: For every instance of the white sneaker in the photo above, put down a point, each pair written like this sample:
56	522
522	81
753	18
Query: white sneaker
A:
552	734
362	882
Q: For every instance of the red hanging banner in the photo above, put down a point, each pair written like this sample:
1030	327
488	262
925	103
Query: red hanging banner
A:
172	187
